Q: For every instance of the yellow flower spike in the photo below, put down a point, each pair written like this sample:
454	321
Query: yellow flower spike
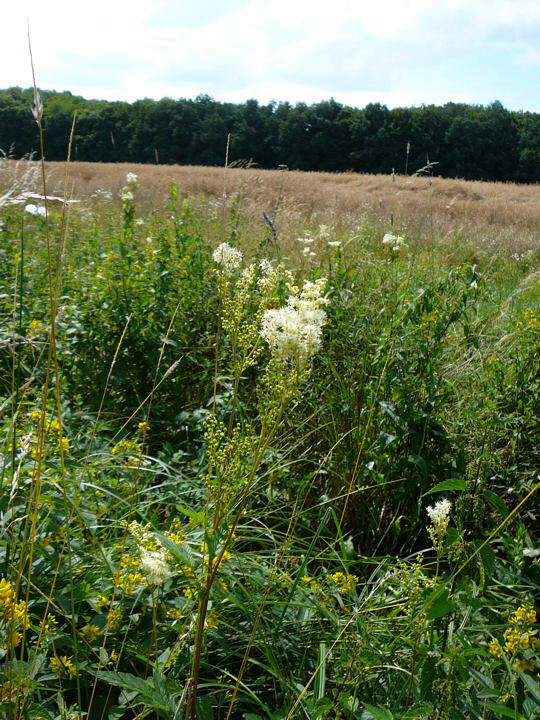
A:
90	632
113	618
7	593
495	649
62	666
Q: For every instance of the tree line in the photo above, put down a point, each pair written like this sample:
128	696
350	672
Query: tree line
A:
468	141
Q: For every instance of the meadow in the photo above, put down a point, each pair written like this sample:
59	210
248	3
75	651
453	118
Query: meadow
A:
269	445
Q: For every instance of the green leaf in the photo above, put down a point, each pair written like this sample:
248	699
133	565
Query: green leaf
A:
452	484
379	713
497	502
504	711
126	681
487	559
438	603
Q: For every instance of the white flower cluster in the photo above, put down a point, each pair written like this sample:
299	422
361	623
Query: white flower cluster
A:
295	330
395	242
439	514
127	192
126	195
154	557
155	566
268	277
36	210
334	243
305	240
228	257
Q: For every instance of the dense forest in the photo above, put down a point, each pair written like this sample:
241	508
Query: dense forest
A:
468	141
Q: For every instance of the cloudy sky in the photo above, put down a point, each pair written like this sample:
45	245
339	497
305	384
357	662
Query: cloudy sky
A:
399	52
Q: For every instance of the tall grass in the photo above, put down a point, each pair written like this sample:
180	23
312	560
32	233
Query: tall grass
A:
196	524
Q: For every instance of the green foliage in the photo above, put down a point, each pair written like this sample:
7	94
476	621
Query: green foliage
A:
179	489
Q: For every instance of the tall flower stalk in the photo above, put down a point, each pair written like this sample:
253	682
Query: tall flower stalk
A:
252	319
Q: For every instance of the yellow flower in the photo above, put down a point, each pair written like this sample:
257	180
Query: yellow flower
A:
101	601
13	638
344	583
7	593
495	649
34	328
524	616
90	632
113	618
211	620
61	666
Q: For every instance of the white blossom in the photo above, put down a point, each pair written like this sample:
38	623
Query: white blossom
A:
228	257
439	514
269	276
305	240
395	242
334	243
295	330
155	566
131	178
37	210
126	195
531	552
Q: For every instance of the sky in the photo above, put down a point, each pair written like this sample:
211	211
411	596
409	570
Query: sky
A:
397	52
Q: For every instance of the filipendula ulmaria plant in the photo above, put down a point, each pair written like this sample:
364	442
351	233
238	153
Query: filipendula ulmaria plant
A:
251	319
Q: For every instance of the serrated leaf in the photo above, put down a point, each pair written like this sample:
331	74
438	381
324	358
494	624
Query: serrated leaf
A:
126	681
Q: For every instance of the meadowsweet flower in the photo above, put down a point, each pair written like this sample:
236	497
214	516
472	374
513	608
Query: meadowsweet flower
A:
268	276
228	257
131	178
305	240
395	242
36	210
295	330
126	195
439	515
155	566
334	243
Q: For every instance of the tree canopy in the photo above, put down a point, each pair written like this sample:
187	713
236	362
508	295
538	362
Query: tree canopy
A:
469	141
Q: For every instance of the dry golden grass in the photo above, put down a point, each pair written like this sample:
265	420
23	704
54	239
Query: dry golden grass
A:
501	213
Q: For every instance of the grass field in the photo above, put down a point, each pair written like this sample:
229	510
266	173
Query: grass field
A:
268	467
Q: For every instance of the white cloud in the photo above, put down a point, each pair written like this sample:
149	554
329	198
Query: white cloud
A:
394	51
